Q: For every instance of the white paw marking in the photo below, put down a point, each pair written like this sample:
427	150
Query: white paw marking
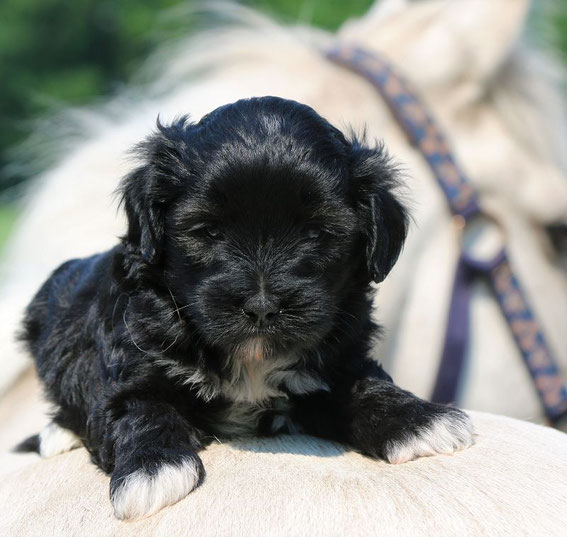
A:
445	435
140	494
54	440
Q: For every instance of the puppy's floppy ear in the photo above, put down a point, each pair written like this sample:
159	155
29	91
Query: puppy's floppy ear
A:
148	190
383	219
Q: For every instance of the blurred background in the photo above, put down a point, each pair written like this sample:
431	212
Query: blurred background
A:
55	54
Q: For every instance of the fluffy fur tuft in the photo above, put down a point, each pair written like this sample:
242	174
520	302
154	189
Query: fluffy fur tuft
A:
54	440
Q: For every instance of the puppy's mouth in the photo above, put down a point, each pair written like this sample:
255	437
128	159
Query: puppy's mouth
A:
254	349
290	331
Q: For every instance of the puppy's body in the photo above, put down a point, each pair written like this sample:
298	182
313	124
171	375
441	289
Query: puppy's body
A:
238	303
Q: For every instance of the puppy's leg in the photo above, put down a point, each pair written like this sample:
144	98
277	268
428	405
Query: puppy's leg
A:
155	463
381	420
385	421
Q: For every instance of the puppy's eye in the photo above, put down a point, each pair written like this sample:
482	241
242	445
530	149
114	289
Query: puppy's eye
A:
313	233
213	233
207	231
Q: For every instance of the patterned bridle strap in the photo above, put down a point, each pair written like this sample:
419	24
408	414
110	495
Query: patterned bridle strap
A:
425	134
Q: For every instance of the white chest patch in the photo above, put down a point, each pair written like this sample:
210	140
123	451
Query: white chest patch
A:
254	385
249	381
256	378
255	381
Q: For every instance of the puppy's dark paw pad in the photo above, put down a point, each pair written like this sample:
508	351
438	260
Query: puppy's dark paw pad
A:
446	433
142	493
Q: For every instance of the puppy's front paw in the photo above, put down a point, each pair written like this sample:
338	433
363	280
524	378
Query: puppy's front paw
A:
157	482
445	431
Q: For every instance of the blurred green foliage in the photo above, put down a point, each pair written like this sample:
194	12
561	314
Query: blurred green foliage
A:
558	20
327	14
8	215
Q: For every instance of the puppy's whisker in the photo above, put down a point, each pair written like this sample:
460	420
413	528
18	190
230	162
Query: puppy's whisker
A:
116	306
175	304
130	333
336	309
140	348
186	306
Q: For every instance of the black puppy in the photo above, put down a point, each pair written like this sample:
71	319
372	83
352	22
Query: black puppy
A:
238	303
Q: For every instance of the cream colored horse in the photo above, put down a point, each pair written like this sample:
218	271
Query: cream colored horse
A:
499	102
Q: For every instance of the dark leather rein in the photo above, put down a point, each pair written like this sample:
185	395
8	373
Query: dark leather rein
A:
424	133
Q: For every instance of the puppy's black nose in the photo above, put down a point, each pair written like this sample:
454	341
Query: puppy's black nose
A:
261	309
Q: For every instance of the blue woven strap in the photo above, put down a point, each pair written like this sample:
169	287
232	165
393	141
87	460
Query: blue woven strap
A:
416	121
457	338
425	134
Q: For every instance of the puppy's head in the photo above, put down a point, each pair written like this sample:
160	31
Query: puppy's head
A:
265	220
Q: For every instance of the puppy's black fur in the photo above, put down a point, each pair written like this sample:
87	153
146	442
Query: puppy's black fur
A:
239	301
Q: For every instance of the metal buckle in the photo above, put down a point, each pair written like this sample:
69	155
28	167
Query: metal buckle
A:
482	238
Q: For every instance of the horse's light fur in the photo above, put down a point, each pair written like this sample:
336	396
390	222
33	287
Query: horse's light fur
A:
513	481
498	100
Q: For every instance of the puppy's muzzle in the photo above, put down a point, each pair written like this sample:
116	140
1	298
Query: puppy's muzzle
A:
262	309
